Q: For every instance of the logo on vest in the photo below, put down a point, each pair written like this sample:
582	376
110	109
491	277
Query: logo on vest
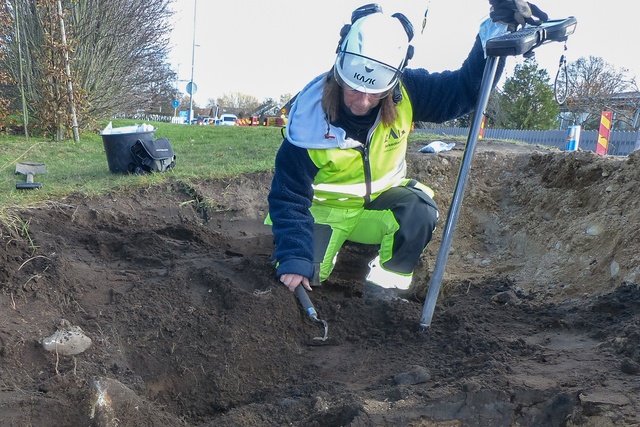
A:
394	138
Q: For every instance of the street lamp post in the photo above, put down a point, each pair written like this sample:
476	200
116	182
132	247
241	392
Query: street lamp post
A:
191	86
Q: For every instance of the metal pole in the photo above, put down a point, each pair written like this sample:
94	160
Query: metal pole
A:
438	270
193	54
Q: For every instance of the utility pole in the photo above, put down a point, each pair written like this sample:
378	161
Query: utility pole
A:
193	54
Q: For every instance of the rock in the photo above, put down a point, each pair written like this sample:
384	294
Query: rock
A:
630	367
594	230
416	375
67	340
471	387
614	268
506	297
103	392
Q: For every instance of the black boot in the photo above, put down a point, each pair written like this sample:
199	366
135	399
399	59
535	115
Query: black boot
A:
375	292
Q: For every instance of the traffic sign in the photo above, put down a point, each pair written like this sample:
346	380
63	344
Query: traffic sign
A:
176	104
191	88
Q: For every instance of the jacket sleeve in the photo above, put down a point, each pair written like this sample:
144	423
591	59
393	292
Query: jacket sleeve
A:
438	97
289	202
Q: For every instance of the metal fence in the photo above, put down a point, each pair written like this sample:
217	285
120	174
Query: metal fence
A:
621	143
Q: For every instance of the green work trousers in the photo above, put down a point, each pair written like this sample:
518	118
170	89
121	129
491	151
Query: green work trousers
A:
401	220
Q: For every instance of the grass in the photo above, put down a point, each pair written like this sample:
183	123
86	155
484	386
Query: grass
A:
203	152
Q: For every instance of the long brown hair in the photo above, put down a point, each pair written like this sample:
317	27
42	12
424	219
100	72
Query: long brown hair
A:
332	98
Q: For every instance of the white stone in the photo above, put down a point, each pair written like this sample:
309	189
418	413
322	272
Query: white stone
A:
67	340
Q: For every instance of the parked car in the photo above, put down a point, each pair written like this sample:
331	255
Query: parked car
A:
203	120
200	120
227	120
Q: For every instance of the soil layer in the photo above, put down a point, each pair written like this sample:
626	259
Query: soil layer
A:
537	323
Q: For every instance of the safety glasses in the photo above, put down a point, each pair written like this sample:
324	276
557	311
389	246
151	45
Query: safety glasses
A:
385	76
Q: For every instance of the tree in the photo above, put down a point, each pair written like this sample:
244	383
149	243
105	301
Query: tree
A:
238	103
284	98
197	110
5	80
36	55
122	55
118	55
594	86
526	100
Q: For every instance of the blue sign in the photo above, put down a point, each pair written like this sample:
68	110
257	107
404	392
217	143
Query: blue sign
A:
176	104
192	88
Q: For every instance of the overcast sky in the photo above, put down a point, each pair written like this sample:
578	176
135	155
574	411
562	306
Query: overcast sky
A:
269	48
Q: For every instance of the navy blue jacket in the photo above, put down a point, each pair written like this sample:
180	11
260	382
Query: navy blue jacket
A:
435	97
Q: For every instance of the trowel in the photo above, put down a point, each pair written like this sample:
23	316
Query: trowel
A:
308	308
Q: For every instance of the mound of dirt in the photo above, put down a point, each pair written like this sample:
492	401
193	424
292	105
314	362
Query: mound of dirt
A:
537	324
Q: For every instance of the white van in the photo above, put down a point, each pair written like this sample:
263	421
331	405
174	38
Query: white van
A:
227	120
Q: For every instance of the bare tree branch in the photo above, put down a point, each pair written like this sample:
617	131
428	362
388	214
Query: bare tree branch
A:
595	86
118	57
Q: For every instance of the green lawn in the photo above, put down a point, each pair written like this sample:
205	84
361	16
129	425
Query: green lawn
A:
201	152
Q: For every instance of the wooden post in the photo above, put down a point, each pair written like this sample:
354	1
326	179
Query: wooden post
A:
74	118
25	111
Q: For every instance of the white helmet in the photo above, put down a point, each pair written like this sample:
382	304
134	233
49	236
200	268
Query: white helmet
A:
374	51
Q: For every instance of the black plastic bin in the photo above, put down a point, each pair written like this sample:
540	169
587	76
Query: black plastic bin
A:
117	147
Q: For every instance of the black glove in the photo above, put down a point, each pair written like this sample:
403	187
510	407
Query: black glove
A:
516	12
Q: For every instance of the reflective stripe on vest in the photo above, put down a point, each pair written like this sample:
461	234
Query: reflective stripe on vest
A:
359	190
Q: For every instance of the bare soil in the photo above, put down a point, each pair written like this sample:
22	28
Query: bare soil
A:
537	324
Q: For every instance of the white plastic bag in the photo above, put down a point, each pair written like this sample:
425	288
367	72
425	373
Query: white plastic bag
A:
437	146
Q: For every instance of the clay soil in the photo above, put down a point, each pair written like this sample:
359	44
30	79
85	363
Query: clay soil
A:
537	323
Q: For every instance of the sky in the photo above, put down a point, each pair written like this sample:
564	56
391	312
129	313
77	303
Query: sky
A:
270	48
